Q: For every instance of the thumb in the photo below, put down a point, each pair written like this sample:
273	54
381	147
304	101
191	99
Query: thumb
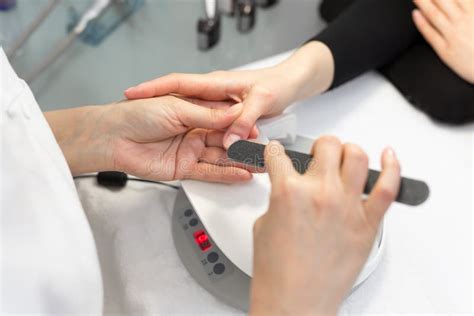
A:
196	116
255	105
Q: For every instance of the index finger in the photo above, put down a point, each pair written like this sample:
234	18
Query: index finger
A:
204	86
195	116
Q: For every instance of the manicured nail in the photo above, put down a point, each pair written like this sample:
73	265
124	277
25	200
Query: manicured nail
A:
232	138
243	173
129	89
390	153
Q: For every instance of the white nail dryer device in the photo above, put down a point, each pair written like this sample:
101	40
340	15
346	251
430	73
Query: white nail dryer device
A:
212	233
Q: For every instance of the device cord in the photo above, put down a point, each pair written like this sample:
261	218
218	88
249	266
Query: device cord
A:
115	179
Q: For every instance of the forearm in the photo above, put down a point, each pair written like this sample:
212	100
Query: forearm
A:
367	35
84	135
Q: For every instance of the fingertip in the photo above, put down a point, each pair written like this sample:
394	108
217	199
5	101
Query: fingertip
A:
231	139
416	14
136	92
389	158
272	149
129	92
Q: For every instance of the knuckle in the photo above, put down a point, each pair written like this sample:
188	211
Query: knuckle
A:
386	193
265	94
324	197
286	187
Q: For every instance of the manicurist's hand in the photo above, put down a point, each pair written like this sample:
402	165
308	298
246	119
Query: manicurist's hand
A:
448	26
165	138
263	92
318	232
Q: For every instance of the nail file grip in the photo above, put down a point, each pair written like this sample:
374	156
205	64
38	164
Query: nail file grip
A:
412	192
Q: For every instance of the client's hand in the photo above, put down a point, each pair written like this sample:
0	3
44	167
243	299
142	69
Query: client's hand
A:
448	25
317	234
263	92
164	138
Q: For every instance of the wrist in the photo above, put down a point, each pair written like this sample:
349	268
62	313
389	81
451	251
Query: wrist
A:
310	70
85	136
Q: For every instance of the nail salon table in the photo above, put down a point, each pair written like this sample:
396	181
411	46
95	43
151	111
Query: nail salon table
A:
427	264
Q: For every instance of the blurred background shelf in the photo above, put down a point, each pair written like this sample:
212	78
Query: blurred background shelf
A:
159	38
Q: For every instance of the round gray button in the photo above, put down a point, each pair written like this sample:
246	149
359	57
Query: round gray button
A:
212	257
188	212
219	268
193	222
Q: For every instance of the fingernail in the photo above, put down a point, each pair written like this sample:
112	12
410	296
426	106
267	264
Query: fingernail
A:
129	89
243	173
234	109
390	153
232	138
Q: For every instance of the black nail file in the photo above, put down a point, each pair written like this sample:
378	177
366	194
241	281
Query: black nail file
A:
412	192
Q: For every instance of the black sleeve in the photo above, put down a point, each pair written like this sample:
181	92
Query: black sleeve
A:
367	35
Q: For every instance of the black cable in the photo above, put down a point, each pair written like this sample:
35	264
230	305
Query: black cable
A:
156	182
115	179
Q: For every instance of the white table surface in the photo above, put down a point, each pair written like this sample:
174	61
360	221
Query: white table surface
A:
427	267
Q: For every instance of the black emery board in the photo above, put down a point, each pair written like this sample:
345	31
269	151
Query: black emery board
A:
412	192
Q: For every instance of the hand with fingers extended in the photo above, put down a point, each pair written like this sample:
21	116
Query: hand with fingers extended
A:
165	138
448	26
263	92
318	232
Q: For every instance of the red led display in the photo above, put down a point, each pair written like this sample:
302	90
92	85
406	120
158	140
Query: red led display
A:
201	239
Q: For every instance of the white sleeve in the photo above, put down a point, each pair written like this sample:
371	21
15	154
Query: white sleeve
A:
49	263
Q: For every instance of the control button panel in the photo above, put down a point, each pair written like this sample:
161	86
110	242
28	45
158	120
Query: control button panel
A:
214	262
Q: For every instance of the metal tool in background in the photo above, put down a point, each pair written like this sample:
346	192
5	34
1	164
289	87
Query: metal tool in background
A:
245	11
246	15
92	26
209	28
103	25
6	5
